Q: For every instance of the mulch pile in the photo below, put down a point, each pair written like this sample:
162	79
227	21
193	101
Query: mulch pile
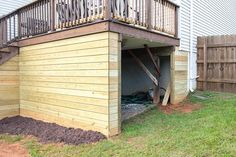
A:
48	132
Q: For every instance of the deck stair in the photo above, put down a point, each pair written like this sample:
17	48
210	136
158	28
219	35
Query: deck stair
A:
7	53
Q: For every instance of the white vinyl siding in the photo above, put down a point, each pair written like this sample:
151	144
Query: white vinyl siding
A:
8	6
211	17
184	24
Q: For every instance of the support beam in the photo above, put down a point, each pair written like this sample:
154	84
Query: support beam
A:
150	75
153	60
5	50
156	95
7	53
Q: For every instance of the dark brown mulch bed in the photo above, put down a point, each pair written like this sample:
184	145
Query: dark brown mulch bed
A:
48	132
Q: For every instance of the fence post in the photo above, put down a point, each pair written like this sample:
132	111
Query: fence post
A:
107	9
148	14
52	15
205	63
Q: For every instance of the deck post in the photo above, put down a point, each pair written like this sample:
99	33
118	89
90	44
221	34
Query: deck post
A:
176	22
107	9
19	24
1	34
5	30
148	14
52	15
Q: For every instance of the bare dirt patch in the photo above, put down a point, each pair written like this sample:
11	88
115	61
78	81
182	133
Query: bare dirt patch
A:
182	108
48	132
12	150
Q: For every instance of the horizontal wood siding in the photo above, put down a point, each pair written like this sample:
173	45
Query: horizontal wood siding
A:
9	88
69	81
179	72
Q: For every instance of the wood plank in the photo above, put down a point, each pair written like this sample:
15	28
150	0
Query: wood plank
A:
60	97
62	52
69	79
71	73
167	95
70	66
74	92
74	60
65	48
218	45
66	85
83	114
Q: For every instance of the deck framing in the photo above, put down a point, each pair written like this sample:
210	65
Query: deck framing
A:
98	27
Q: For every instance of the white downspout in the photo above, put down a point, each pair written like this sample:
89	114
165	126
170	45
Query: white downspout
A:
191	47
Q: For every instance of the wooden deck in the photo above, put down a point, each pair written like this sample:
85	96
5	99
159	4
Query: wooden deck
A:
48	16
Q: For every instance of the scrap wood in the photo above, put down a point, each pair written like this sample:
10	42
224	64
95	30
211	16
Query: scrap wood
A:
167	95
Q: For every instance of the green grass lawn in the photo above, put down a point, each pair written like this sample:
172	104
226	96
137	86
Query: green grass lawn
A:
210	131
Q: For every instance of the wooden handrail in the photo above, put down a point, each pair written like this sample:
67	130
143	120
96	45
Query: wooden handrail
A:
44	16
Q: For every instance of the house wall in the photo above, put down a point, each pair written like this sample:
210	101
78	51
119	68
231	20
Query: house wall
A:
10	5
9	88
73	82
134	79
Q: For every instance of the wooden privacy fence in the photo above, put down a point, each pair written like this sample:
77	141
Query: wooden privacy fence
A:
216	63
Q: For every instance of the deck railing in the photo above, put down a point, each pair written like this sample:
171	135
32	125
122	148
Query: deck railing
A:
44	16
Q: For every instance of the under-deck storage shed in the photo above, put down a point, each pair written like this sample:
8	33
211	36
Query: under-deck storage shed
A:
69	62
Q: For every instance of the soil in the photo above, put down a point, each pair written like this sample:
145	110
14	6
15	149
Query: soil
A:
12	150
48	132
183	108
